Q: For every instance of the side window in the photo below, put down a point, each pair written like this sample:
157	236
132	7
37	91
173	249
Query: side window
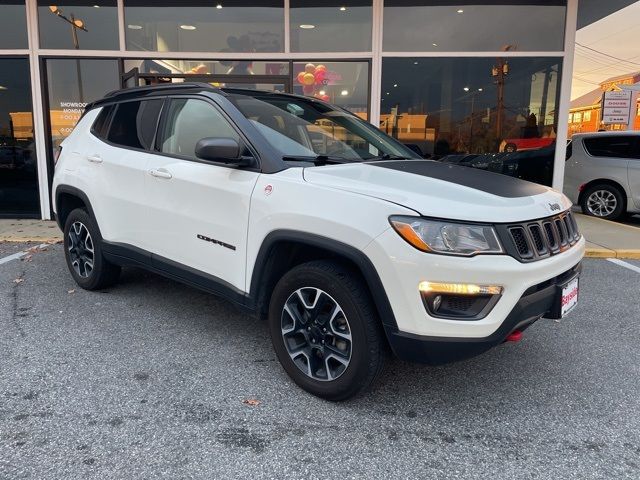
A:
610	146
100	124
190	120
134	123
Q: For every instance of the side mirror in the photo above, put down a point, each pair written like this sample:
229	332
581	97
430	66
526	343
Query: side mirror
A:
222	150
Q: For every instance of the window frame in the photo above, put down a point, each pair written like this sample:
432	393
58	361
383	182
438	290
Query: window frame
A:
160	129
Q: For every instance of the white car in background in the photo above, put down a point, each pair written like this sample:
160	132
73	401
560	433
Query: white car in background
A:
602	173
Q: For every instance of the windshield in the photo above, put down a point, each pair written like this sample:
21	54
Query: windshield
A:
299	129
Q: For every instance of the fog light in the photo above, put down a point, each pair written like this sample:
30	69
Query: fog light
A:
459	288
437	301
459	301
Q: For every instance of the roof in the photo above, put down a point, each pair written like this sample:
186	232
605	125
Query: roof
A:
587	100
621	77
608	133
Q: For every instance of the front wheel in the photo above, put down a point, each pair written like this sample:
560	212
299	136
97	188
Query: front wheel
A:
325	330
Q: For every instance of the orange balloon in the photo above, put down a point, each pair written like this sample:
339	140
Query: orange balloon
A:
309	68
320	68
300	77
308	79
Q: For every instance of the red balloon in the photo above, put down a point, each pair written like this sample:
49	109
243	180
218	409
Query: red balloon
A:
307	89
324	98
320	76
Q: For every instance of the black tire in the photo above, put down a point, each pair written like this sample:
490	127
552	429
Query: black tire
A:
605	209
346	289
102	274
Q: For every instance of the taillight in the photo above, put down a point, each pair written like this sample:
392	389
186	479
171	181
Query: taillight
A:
56	155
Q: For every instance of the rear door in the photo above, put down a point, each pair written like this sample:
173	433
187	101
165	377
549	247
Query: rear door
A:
198	211
610	156
634	174
116	156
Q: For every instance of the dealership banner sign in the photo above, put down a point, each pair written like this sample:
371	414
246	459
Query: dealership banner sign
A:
616	107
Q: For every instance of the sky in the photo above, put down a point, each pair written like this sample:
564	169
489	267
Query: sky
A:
617	36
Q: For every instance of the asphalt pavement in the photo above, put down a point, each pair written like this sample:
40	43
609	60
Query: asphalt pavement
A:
152	379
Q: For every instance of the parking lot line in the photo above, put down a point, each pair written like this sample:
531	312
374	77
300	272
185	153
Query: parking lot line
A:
18	255
624	264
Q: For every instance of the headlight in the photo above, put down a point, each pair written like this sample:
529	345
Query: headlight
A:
447	237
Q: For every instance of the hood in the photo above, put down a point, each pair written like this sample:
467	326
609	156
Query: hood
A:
441	190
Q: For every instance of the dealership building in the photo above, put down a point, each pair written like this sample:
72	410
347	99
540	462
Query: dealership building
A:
449	78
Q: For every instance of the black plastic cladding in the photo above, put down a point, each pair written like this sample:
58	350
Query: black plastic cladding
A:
538	239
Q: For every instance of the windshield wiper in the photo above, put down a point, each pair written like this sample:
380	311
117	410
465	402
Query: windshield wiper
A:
318	160
387	156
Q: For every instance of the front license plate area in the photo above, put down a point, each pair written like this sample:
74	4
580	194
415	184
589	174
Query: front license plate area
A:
569	297
566	299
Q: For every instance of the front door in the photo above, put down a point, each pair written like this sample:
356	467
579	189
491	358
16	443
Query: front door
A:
198	212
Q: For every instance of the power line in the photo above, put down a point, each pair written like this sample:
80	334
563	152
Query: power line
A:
607	55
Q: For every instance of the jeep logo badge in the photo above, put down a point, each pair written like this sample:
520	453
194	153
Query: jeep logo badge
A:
554	207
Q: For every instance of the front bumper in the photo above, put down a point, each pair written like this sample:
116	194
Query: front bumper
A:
536	302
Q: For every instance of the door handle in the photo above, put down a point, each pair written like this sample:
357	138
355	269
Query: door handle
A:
94	158
160	173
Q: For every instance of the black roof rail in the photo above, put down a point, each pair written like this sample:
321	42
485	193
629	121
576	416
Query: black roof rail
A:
162	86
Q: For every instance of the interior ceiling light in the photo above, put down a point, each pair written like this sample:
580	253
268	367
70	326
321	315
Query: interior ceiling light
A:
3	87
134	27
466	89
307	26
434	44
342	9
187	27
344	93
219	6
460	10
395	84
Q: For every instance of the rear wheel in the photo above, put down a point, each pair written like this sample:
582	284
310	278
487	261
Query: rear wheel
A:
603	201
83	253
325	331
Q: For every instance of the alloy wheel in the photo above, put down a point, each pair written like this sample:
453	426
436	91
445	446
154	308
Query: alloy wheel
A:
81	251
601	203
316	334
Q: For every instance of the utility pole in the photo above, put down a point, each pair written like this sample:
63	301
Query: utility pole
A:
499	72
76	24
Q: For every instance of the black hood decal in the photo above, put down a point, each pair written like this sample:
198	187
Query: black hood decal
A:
494	183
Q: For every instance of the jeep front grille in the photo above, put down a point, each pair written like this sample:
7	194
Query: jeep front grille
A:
538	239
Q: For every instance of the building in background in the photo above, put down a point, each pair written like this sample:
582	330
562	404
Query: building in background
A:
472	82
585	112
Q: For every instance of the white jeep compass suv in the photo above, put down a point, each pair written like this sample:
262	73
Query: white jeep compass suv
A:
303	213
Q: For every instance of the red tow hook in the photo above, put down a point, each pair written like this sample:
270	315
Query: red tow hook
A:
514	336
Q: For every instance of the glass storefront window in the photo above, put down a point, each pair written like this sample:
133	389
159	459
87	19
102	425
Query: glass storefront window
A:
341	83
79	25
18	165
208	67
330	26
13	25
194	26
446	26
493	113
71	84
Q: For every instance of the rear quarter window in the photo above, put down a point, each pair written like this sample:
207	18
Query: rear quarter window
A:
613	146
101	123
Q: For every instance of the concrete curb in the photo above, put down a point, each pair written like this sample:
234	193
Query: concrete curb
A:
15	239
